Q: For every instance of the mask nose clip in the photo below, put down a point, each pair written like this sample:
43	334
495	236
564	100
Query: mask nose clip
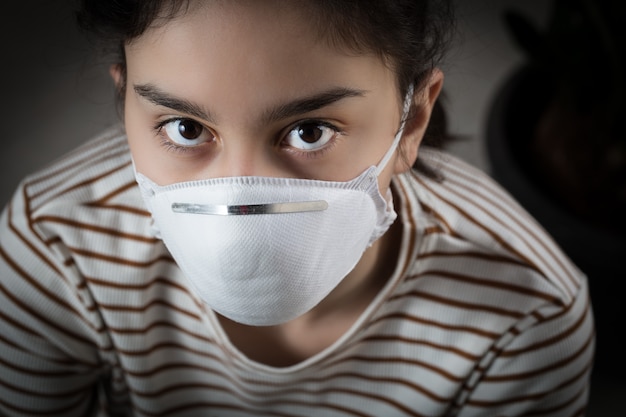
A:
248	209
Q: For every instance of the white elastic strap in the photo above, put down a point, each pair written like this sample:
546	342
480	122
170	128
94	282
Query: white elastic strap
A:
408	99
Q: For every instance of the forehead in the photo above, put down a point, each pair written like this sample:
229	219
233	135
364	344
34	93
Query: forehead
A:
284	30
237	20
220	48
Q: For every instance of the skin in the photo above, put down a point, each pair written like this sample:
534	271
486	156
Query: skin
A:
237	62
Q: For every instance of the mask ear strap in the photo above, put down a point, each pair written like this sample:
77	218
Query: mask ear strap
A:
408	99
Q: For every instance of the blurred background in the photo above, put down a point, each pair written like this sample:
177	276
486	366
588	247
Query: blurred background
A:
56	93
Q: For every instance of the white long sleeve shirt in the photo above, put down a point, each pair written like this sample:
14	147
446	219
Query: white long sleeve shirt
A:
483	316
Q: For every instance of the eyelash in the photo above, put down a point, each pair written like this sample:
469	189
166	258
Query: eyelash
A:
310	154
164	141
313	154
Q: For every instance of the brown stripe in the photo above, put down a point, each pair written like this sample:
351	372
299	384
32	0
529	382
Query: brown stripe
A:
122	208
210	407
384	381
397	360
421	342
524	226
544	343
45	320
51	241
135	286
560	407
118	260
168	345
16	324
62	362
473	254
81	184
324	379
461	305
315	381
28	202
93	228
145	286
546	369
155	324
28	210
120	190
51	296
33	249
65	410
490	232
433	230
440	220
472	330
81	161
43	394
102	203
583	374
145	307
316	404
483	282
392	381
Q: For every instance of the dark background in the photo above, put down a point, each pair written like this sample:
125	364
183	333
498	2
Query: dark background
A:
56	93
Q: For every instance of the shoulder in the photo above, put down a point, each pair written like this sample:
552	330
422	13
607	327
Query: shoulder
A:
76	187
487	279
83	176
467	209
68	231
78	205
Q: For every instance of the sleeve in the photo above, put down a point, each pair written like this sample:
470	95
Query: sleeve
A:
541	367
49	340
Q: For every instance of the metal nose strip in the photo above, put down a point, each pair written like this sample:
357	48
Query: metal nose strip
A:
245	209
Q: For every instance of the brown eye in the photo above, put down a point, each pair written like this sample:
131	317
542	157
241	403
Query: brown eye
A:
310	133
310	136
189	129
187	132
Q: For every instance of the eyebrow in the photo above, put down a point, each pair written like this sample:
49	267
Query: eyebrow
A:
159	97
310	103
293	108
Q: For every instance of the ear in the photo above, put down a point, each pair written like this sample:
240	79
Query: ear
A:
423	102
119	77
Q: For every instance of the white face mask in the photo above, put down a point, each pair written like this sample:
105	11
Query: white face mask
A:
262	251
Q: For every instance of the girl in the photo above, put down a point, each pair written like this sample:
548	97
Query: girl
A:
253	241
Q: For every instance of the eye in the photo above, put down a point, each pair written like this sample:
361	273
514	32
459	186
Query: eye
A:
186	132
310	135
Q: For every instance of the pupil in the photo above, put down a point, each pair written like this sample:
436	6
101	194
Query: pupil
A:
310	134
189	129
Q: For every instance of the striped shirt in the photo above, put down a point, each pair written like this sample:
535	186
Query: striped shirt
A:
483	316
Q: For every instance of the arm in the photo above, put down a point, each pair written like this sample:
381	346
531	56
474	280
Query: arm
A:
49	360
541	367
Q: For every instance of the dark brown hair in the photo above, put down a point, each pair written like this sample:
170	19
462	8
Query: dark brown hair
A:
411	36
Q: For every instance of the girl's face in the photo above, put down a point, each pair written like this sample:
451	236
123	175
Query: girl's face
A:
249	88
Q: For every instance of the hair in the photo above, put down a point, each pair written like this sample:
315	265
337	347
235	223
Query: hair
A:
410	36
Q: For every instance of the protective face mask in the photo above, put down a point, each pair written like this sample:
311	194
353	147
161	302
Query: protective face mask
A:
262	251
